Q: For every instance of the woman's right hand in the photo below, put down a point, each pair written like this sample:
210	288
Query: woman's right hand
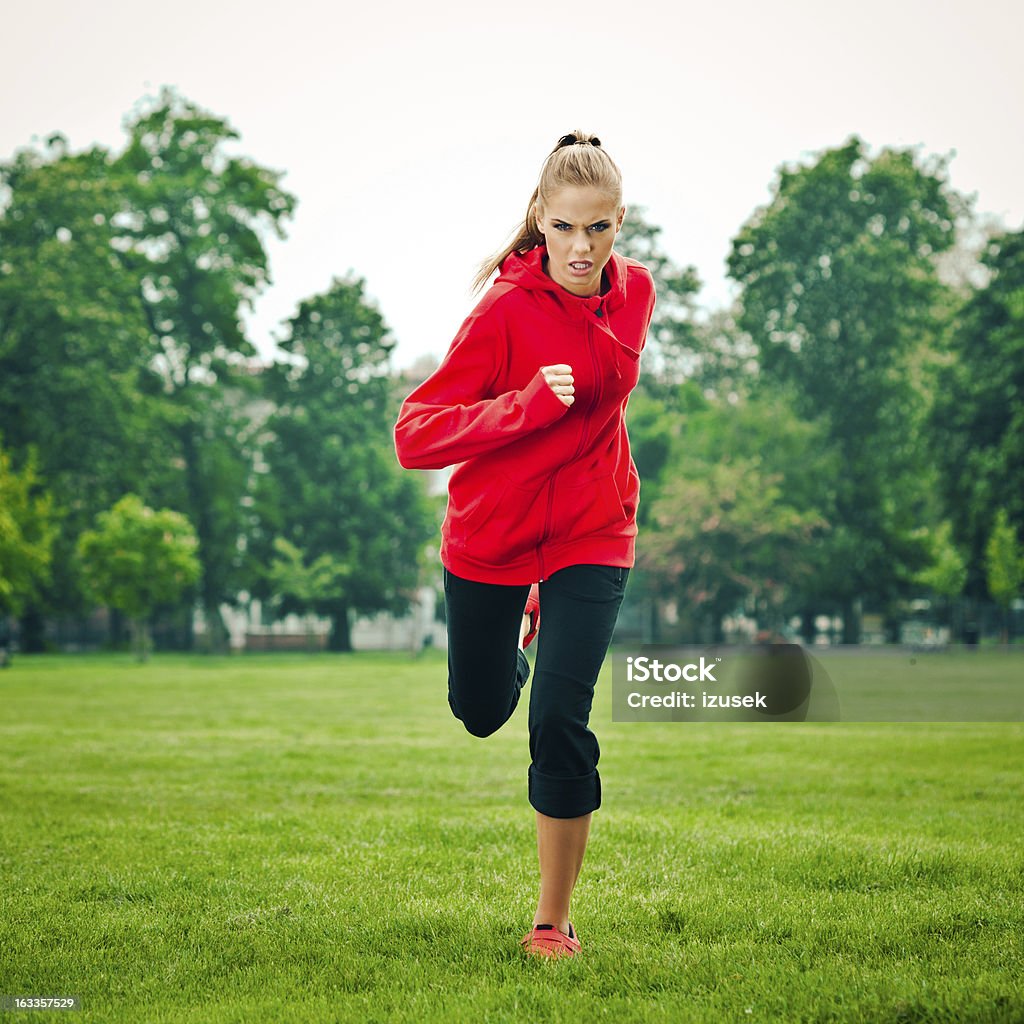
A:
559	379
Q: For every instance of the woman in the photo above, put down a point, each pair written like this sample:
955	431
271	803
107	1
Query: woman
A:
529	404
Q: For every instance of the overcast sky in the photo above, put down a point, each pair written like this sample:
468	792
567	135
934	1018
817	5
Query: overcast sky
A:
413	134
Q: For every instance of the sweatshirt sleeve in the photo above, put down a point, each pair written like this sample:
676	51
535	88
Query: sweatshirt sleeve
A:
447	419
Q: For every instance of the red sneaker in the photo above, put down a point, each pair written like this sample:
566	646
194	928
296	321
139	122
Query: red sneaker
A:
532	609
547	940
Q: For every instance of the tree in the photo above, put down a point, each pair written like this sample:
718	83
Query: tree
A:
840	293
733	519
137	559
27	532
1004	566
977	423
656	426
947	572
75	382
331	486
300	586
192	226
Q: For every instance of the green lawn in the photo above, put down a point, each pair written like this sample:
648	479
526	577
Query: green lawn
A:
314	838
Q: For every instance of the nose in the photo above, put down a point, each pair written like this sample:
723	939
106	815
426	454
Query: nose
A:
581	244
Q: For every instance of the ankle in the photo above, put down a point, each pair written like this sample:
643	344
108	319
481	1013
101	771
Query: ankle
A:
562	924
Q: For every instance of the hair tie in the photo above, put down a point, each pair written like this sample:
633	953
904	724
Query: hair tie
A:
571	140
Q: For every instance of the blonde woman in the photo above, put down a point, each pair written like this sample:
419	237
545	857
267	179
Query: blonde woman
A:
528	405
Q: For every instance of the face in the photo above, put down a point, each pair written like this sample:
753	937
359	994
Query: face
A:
579	225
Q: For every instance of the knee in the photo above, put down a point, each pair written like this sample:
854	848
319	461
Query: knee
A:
477	721
482	726
484	713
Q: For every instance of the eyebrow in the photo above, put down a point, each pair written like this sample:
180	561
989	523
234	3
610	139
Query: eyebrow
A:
562	220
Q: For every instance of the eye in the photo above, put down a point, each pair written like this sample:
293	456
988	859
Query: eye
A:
599	227
559	225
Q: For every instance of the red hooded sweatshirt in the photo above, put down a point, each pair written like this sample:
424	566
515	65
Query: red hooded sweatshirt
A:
538	485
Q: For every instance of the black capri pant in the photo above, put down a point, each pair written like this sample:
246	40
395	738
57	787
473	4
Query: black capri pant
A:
487	671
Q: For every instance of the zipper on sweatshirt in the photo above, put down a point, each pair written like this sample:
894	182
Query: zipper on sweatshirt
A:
579	447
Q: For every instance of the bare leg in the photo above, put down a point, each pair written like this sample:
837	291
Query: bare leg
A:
561	844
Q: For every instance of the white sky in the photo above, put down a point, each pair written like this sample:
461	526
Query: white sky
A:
412	134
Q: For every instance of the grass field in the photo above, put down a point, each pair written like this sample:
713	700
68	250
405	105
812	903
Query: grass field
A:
314	838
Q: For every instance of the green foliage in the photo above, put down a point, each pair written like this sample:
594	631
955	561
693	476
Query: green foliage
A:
735	513
137	558
1004	561
303	586
123	368
839	281
655	429
75	381
193	223
839	278
192	228
840	293
947	572
332	487
977	424
28	527
121	284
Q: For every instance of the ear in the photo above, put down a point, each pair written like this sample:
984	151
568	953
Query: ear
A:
622	217
535	211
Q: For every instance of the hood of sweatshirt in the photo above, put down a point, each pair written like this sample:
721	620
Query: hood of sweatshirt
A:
527	271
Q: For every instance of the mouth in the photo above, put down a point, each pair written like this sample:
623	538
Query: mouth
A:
580	267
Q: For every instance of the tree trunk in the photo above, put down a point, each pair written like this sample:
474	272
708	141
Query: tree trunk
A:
717	632
200	516
341	631
33	631
5	641
216	632
807	627
115	628
851	620
653	621
142	641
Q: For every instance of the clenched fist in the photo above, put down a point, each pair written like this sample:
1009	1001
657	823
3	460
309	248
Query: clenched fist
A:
559	379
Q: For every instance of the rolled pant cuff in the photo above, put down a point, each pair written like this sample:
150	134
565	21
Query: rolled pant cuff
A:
560	797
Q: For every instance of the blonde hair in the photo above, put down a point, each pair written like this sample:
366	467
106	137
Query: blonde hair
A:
577	160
